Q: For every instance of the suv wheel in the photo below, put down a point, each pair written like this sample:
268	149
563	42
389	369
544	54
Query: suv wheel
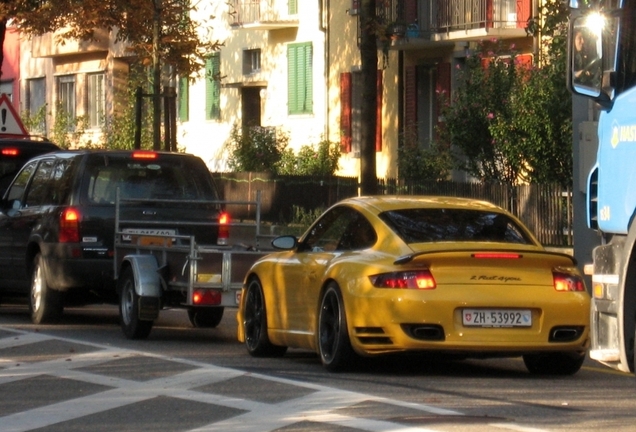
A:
45	304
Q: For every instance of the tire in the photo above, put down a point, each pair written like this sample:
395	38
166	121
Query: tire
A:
45	304
205	317
132	326
255	323
334	345
560	363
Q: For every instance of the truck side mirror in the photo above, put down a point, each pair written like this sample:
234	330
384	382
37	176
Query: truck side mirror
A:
586	57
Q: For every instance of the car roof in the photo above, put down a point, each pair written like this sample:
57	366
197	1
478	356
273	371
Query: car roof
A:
28	143
395	202
104	152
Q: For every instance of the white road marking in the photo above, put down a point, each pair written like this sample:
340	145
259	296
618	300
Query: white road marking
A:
317	406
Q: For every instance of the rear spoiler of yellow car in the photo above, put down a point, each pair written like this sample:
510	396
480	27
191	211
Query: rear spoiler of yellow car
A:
494	253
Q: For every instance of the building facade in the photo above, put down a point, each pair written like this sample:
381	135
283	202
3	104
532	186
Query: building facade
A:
290	65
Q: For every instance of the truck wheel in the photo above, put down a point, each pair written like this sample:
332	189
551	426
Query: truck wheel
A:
205	317
255	324
334	345
560	363
45	305
133	327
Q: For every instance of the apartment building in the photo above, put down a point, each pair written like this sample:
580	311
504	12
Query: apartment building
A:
292	65
79	78
296	66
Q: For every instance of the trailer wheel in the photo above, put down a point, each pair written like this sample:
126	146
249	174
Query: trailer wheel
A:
206	317
132	326
45	304
559	363
255	323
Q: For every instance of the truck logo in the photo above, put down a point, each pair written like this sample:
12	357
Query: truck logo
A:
621	134
605	214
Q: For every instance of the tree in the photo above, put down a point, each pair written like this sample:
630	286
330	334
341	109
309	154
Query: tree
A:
368	110
150	29
510	121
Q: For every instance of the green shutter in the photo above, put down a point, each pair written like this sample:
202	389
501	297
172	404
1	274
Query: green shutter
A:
300	78
213	87
184	99
293	7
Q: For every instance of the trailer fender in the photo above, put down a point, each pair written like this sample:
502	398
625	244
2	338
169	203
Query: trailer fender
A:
147	278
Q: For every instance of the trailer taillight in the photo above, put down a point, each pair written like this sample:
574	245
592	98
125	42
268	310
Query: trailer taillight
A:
69	226
206	297
224	229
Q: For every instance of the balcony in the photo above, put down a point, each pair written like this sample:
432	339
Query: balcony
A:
263	14
50	44
459	20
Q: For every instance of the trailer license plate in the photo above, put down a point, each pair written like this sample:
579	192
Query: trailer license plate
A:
497	317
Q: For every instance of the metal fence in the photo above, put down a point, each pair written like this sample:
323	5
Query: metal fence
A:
545	209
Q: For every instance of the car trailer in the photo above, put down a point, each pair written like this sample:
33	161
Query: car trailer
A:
156	268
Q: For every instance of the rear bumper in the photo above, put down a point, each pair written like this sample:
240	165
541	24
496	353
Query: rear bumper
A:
66	274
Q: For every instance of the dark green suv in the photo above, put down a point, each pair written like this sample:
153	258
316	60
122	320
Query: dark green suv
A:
57	220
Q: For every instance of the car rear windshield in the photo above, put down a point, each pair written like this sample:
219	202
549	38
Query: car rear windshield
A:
457	225
166	177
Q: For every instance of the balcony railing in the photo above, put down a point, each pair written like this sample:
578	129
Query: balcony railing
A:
263	14
433	18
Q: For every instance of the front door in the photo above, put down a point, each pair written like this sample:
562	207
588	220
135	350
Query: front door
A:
251	106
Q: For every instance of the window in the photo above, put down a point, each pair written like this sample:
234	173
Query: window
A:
292	7
213	87
251	61
66	97
184	99
340	229
425	225
36	102
96	104
38	193
6	87
300	85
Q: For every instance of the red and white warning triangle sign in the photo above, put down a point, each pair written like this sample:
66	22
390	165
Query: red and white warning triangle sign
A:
10	123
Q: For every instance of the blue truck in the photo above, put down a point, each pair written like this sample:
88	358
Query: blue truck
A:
602	66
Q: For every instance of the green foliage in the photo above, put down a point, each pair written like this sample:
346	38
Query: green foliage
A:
67	130
257	149
511	122
119	132
426	163
35	123
304	217
321	159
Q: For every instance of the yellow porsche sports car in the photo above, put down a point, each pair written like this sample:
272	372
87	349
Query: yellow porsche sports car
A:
383	274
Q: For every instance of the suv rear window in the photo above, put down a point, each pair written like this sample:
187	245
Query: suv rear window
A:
165	177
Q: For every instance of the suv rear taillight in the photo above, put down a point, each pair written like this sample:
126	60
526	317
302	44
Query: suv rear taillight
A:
224	229
69	226
10	152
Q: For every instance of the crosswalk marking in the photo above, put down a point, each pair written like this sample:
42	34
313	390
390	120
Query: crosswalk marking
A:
318	404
